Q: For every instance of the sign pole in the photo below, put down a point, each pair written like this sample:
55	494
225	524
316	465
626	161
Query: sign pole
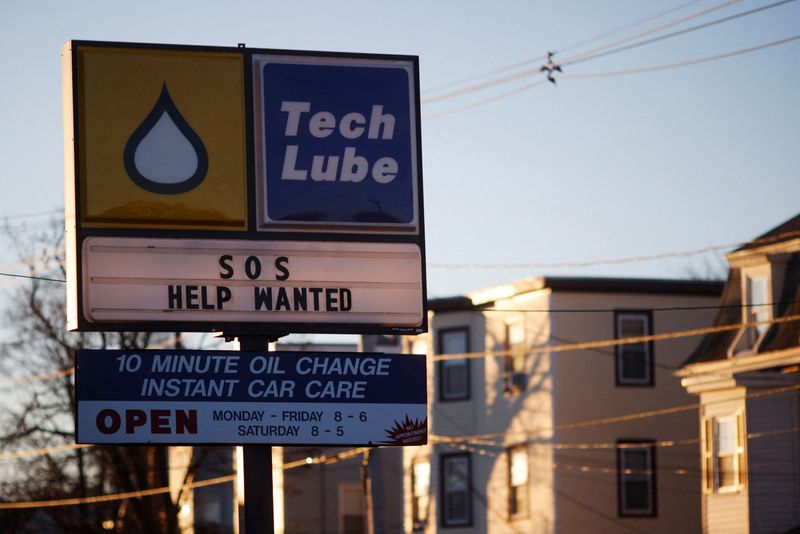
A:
258	509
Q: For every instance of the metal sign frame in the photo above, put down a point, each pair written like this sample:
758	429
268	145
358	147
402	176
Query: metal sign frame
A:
78	233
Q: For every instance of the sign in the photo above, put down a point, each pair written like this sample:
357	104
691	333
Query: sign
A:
237	280
187	166
161	138
240	398
341	129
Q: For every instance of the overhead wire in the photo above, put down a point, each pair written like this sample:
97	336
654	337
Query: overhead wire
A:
675	33
542	57
477	103
676	334
680	64
113	497
559	264
33	214
609	49
627	26
615	261
655	29
636	416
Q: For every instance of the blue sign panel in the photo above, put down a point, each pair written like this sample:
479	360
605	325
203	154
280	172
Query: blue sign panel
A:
288	398
339	142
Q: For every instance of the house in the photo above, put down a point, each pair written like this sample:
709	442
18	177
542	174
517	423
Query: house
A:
527	436
746	376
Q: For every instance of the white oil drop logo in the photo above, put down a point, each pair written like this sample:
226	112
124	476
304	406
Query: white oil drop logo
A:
164	155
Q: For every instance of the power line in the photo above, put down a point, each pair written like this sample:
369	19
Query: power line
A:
626	259
650	31
664	309
113	497
686	63
677	33
42	451
546	349
33	277
33	215
594	446
485	100
542	57
627	26
627	417
481	86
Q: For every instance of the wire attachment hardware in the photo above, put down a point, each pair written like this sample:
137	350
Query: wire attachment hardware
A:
550	67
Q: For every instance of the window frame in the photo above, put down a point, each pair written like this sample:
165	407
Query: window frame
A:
649	349
711	453
623	446
511	360
443	396
447	522
345	488
512	513
749	339
418	523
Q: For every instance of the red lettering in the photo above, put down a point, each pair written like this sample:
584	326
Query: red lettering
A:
102	418
159	422
185	421
134	418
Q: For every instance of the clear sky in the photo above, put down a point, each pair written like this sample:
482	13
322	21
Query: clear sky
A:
594	168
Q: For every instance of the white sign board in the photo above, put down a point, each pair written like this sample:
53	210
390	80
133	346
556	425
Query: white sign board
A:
221	281
235	398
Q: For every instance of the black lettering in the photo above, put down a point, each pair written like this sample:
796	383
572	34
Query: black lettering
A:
226	266
345	299
252	267
175	297
263	297
330	299
315	291
204	298
300	299
191	298
282	302
223	296
283	271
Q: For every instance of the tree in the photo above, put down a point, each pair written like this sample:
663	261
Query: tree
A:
39	410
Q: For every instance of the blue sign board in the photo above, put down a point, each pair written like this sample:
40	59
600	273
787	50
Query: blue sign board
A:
282	398
339	141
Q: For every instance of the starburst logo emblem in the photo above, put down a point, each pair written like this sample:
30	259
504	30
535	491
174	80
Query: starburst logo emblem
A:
408	432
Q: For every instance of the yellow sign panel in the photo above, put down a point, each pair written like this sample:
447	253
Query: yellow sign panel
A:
161	139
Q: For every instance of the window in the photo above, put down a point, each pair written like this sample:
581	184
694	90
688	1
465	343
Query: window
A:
518	481
514	359
636	478
420	492
634	361
456	490
351	509
723	453
757	298
454	374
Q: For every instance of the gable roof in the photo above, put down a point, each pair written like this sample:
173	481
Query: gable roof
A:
785	231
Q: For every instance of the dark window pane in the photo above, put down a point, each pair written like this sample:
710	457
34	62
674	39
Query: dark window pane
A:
637	495
634	365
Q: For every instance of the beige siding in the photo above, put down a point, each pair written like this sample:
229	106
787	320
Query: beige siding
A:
585	389
773	463
726	513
